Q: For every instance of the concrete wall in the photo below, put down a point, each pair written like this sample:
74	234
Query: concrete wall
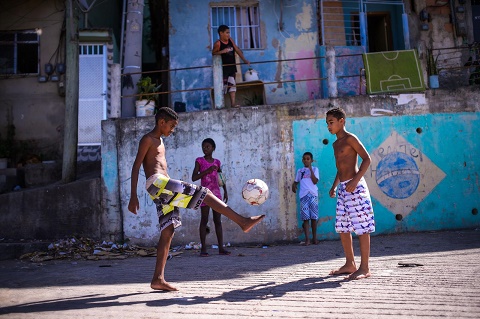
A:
440	191
53	212
36	109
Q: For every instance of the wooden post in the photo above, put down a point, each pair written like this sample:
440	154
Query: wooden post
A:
70	138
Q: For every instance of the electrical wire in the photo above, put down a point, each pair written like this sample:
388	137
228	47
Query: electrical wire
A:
26	14
61	44
81	6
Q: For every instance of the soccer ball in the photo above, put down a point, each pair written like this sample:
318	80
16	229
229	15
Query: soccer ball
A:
255	192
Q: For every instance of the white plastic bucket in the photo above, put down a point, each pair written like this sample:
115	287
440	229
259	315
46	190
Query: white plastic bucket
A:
251	75
144	108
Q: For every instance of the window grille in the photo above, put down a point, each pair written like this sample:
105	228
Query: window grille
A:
340	23
243	21
19	52
340	20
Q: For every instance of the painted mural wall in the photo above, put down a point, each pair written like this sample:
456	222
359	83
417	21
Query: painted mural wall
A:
423	175
286	33
424	172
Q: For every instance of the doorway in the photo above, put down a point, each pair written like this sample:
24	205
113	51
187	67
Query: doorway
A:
379	32
92	102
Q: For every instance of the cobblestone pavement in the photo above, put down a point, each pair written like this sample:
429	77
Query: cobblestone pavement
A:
289	281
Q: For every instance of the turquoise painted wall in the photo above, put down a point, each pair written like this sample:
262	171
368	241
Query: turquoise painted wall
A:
424	173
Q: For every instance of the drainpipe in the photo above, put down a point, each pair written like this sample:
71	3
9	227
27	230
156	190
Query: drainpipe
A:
122	36
454	21
133	55
363	30
280	22
406	34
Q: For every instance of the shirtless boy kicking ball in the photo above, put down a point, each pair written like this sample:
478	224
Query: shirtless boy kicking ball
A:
169	194
354	206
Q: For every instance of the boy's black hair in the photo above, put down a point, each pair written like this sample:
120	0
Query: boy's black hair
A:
210	141
337	113
309	154
222	28
166	113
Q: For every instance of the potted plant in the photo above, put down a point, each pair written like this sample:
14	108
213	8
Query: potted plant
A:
7	146
147	96
432	70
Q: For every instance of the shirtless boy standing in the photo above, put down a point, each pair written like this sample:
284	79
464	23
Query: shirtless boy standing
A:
169	194
354	206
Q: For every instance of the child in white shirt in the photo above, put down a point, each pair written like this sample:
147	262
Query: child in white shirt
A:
308	176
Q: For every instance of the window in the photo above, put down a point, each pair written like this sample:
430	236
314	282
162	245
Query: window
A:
19	52
244	24
382	30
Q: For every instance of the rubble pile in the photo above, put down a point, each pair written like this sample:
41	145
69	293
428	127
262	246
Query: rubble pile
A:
88	249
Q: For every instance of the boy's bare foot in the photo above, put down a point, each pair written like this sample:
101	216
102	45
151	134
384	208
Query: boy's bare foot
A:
315	242
307	243
345	269
162	285
359	274
250	222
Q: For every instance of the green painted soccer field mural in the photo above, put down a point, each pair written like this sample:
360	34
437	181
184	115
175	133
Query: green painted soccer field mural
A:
424	173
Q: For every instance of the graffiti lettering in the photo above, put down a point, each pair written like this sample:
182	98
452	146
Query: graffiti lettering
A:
147	201
405	148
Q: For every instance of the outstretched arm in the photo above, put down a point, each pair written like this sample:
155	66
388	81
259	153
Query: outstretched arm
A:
239	52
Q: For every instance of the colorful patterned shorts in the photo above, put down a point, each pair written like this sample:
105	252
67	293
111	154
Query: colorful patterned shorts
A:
354	210
172	193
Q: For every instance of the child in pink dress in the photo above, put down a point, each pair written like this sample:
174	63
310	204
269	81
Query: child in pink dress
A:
206	169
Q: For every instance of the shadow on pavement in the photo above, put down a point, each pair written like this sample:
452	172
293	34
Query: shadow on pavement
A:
190	267
262	291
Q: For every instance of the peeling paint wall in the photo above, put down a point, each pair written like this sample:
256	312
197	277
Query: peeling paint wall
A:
190	46
433	135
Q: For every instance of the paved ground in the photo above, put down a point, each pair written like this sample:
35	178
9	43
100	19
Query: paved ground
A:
275	282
